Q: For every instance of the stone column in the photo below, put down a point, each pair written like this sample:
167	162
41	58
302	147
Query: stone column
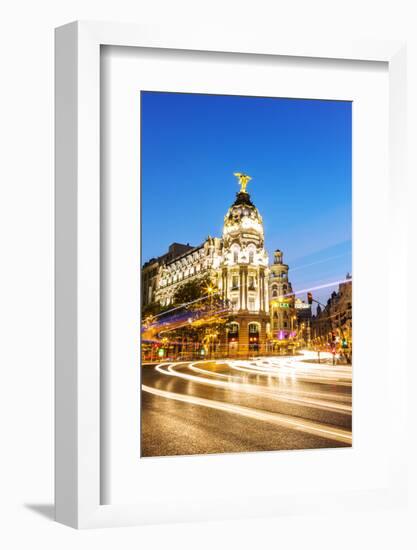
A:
266	293
261	290
245	287
240	288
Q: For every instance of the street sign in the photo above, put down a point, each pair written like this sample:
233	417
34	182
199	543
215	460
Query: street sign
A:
301	305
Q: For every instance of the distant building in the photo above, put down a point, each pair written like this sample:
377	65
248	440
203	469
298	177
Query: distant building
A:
333	324
303	313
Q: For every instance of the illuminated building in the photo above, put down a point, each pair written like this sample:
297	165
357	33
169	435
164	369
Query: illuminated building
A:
193	263
238	266
303	312
282	311
243	275
333	324
151	271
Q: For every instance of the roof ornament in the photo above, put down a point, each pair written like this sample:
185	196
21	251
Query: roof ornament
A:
244	179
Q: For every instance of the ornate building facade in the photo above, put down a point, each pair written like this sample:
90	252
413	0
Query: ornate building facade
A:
283	317
238	265
243	274
332	325
151	271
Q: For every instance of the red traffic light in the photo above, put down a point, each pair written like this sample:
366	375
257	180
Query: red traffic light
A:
309	298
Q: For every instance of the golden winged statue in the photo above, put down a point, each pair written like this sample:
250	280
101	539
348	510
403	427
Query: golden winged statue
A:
244	179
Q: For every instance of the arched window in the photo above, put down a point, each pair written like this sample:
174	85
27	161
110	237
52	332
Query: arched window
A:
253	329
234	327
235	256
251	256
233	333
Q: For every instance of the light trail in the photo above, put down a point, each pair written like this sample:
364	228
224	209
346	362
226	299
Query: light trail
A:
321	261
306	426
316	394
186	304
318	287
297	369
308	400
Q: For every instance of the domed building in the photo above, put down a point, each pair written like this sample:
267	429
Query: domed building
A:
244	274
239	266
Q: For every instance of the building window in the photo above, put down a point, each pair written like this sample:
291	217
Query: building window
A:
253	337
234	331
235	282
251	256
235	256
251	282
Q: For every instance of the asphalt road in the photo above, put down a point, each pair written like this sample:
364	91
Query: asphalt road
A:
272	403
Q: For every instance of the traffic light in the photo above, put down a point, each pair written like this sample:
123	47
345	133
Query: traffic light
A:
309	298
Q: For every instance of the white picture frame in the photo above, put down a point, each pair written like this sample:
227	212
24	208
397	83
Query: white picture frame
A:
78	410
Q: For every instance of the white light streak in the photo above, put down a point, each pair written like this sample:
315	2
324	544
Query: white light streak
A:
306	426
305	399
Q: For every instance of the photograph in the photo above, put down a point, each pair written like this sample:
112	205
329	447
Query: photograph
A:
246	274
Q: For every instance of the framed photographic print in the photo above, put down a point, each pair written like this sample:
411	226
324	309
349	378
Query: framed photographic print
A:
237	353
222	211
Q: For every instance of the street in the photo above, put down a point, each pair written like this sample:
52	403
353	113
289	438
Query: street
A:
225	406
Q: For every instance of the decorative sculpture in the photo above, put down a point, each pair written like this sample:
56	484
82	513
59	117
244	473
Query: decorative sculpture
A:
244	179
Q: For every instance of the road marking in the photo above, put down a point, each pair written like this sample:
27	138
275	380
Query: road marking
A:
306	426
170	370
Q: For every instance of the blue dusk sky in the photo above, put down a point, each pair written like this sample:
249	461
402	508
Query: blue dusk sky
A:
298	152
